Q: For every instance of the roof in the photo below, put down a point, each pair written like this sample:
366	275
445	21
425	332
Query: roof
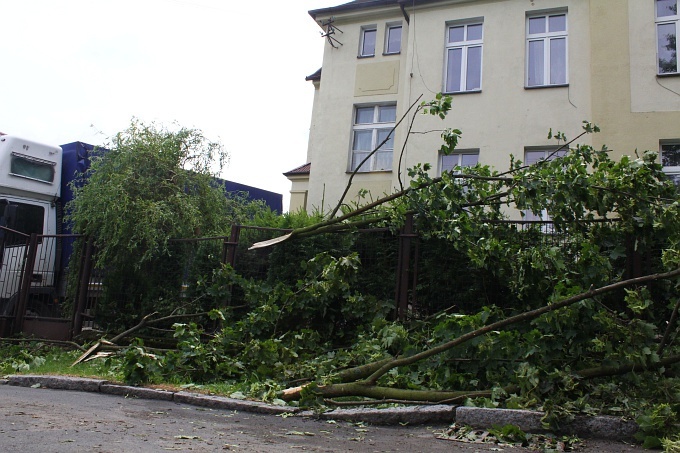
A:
314	77
301	170
364	4
351	6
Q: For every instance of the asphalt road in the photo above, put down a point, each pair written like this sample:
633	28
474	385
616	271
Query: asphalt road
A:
46	421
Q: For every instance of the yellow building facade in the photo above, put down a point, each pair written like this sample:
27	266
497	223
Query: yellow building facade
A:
515	70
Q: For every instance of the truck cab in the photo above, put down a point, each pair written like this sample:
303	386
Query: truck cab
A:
30	186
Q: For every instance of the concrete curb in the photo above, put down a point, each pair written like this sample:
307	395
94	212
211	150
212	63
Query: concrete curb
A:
56	382
221	402
103	386
600	427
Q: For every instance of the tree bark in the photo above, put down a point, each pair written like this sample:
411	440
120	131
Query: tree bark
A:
383	393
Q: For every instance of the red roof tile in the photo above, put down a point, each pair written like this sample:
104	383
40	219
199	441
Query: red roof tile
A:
301	170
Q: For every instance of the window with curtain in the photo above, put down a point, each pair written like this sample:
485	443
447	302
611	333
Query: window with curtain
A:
463	57
547	50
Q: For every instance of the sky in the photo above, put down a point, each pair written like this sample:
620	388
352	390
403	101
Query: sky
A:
80	70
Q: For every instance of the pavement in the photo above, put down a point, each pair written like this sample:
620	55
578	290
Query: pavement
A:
596	427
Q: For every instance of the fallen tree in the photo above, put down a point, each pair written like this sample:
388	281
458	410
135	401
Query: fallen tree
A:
365	377
572	304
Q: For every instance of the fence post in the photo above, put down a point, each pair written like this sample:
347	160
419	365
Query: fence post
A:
229	248
26	280
83	287
403	266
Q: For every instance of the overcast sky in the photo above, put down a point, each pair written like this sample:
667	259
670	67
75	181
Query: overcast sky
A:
79	70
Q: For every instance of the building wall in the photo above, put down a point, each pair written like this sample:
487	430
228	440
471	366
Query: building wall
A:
504	117
345	81
298	194
634	107
612	81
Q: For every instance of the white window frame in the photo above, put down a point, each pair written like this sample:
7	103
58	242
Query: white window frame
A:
661	21
388	31
673	171
357	155
546	38
457	160
32	168
465	47
549	153
364	30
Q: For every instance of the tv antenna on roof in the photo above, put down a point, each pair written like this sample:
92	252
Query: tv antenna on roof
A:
330	31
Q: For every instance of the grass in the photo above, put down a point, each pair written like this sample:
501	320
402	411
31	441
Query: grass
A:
43	359
39	358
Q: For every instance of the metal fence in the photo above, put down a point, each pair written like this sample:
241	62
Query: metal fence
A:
45	294
34	284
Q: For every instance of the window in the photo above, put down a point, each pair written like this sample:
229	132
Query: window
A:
547	50
670	159
532	156
367	45
372	126
461	158
32	167
24	218
393	39
463	58
667	21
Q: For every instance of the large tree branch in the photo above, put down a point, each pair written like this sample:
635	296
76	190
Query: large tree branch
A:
368	388
382	393
325	226
616	370
526	316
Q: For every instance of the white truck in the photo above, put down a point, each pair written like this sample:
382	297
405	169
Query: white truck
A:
30	190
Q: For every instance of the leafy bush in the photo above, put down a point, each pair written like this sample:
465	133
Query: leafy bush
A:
150	185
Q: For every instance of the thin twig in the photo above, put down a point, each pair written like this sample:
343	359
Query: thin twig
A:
403	149
356	170
546	159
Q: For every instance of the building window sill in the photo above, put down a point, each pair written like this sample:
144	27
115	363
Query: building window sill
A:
538	87
454	93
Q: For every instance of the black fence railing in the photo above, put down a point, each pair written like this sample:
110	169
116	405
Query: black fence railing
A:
51	279
34	284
